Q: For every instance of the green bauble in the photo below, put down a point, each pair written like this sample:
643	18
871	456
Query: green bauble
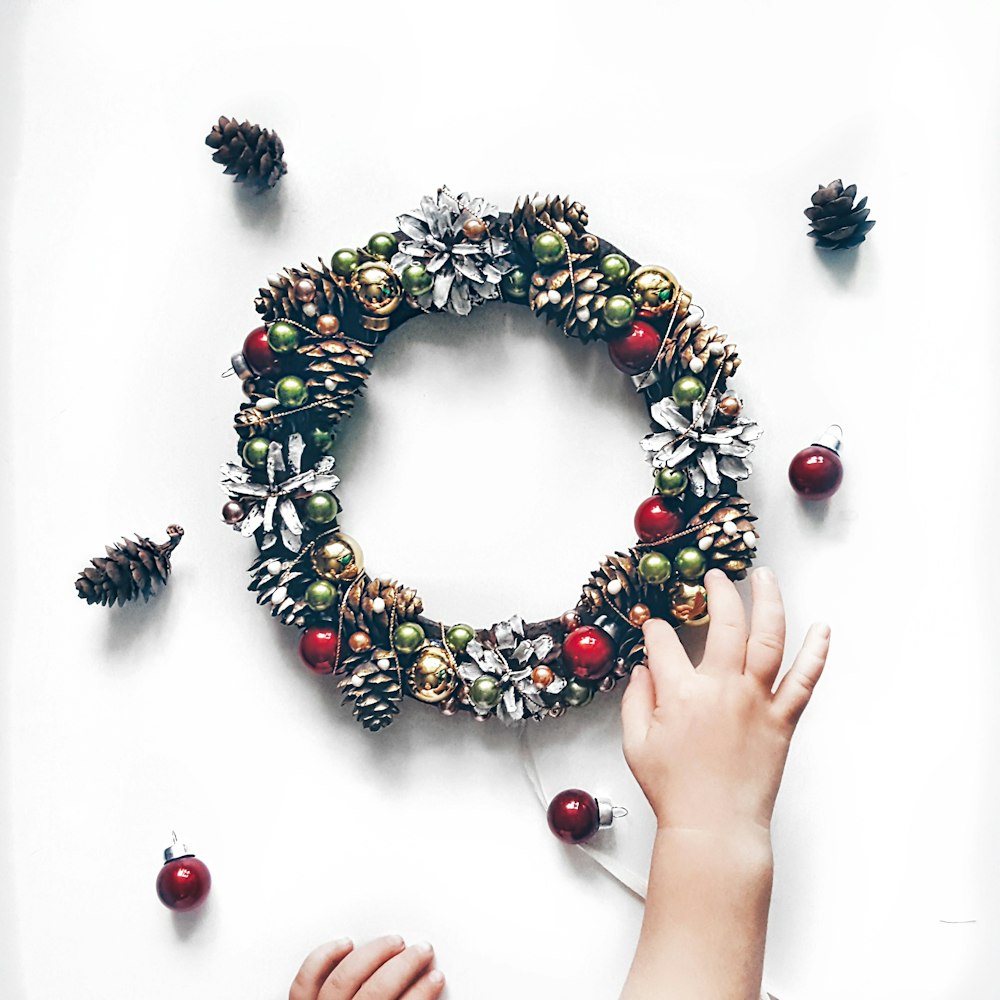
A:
614	267
416	280
255	452
291	391
382	245
485	691
688	389
459	636
321	508
619	311
576	694
344	262
515	284
282	337
322	440
548	248
690	563
654	568
320	595
408	638
670	482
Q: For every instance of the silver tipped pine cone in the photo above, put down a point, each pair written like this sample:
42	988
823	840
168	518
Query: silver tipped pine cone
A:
837	223
136	567
250	153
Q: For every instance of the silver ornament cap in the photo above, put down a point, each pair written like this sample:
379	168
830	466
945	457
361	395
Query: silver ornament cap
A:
608	812
176	850
832	438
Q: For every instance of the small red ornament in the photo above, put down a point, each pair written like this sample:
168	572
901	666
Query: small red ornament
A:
589	652
658	517
816	472
184	881
318	648
575	815
257	352
636	351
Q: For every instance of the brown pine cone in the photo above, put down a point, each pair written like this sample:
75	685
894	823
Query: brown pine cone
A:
732	548
537	215
336	371
367	608
615	582
283	591
134	567
837	223
249	152
373	689
700	351
552	297
633	651
285	297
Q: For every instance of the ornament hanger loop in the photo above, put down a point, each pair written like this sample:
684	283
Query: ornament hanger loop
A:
619	812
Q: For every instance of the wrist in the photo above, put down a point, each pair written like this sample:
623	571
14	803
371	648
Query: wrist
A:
745	847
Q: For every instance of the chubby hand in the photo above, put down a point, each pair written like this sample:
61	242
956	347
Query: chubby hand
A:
383	969
708	746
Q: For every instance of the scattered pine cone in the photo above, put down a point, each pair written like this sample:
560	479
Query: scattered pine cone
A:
837	223
728	538
249	152
134	567
373	688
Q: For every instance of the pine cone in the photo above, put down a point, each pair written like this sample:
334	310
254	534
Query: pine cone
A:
633	651
248	421
336	372
552	297
374	689
132	568
619	573
361	612
537	215
700	351
284	589
731	549
837	223
280	300
248	151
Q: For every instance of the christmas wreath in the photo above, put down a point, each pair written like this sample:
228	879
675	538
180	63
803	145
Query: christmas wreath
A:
303	368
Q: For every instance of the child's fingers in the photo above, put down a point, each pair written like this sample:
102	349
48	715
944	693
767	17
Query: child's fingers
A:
726	645
427	987
637	708
665	656
358	967
766	644
797	685
396	976
319	963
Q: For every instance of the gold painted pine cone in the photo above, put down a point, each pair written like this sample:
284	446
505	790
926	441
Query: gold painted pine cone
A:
619	573
131	568
280	300
336	372
731	549
367	608
373	690
700	351
532	216
552	297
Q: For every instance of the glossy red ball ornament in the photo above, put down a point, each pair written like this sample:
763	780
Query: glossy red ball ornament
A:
574	815
589	652
258	354
658	517
184	881
636	351
318	648
816	472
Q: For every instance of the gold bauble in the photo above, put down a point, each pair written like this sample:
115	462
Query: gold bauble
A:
653	289
431	677
377	288
338	557
689	603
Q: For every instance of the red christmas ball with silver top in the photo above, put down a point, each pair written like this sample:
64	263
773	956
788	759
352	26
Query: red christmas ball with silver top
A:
816	472
658	517
574	815
184	881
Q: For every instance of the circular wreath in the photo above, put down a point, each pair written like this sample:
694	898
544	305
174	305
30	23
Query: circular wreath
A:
303	368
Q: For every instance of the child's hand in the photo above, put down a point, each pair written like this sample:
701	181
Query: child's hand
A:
383	969
708	746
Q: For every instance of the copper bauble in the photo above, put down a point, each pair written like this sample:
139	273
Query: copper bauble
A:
689	603
638	615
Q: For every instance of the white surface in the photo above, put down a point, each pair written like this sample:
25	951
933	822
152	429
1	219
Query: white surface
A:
694	137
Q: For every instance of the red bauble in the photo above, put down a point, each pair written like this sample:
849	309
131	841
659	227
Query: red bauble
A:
636	351
574	815
589	652
183	881
257	352
318	648
658	517
816	472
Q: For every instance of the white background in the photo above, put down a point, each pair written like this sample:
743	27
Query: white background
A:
490	466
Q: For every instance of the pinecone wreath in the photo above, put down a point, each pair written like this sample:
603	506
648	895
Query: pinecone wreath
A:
837	223
134	567
249	152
